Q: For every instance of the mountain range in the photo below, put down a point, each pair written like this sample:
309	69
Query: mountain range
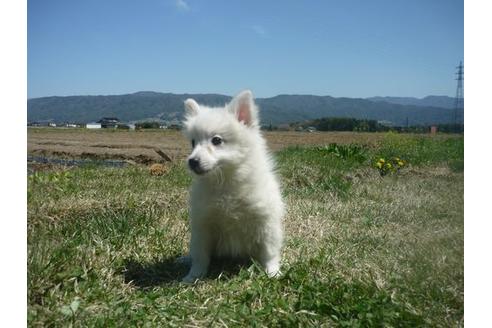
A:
431	101
281	109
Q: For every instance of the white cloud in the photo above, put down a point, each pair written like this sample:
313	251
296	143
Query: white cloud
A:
258	29
182	5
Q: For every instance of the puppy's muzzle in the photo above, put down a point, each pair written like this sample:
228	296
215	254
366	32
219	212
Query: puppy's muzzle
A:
194	165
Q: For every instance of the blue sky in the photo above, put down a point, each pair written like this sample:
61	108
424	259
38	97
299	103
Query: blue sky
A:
338	48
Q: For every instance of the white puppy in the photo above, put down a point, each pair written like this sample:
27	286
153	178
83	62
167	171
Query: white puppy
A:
236	208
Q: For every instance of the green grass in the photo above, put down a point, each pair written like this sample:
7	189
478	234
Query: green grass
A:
422	150
360	250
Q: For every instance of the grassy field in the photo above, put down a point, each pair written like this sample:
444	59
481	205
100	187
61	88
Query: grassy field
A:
361	249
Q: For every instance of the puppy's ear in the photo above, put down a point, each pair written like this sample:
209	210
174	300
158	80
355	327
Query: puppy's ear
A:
191	107
244	108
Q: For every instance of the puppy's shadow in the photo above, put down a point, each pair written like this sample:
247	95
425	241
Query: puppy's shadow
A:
170	270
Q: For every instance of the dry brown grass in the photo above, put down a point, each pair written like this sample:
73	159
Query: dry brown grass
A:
158	169
105	144
139	145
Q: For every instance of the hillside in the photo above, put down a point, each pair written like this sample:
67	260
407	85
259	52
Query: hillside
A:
432	101
275	110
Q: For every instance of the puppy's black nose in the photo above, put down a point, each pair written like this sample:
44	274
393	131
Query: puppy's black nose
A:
193	163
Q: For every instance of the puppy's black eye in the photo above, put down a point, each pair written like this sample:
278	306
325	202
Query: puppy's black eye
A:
216	141
193	143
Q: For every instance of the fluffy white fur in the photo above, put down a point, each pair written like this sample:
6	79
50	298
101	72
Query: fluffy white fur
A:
236	207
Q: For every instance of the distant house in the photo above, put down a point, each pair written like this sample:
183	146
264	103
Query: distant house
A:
385	123
53	125
109	122
311	129
93	125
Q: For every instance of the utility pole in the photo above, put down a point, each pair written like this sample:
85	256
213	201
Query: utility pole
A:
458	102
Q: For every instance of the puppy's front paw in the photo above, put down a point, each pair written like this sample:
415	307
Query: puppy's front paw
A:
189	279
194	275
274	273
272	269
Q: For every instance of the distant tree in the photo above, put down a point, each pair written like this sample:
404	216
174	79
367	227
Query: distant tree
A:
147	125
450	128
344	124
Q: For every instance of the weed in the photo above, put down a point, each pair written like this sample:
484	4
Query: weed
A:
351	151
50	177
393	165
